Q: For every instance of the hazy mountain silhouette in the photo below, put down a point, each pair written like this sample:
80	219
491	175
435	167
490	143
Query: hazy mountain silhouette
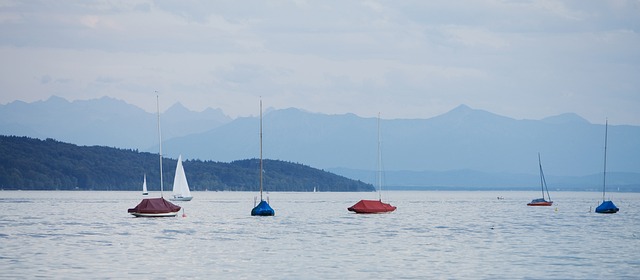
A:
105	121
463	145
463	138
476	180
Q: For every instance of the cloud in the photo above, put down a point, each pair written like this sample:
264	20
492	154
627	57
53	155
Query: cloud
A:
474	37
45	79
407	58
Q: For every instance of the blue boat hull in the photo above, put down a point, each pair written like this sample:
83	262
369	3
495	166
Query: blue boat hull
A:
262	209
607	207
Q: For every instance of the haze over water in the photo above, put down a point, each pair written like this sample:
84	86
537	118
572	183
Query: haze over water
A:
432	235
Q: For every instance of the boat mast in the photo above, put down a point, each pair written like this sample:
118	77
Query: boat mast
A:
543	181
541	176
160	141
604	175
260	149
379	163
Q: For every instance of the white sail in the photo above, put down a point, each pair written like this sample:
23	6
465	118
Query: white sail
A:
180	186
144	186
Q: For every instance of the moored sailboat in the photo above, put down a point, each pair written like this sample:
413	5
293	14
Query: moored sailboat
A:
181	190
156	207
543	186
367	206
607	206
263	208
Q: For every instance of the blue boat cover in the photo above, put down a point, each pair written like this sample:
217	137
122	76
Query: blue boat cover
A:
262	209
607	207
538	200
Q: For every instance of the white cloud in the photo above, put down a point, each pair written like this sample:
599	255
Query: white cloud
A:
474	37
525	59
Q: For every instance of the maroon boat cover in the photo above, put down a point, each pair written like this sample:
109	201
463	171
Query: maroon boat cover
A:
371	206
155	206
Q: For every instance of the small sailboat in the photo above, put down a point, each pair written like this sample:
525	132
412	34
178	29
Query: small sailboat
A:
144	185
607	206
156	207
543	186
181	190
374	206
263	208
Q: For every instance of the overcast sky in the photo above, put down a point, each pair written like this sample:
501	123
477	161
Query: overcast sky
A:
406	59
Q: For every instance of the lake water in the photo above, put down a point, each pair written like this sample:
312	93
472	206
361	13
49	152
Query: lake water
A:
432	235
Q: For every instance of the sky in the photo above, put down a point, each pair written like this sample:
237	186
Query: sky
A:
406	59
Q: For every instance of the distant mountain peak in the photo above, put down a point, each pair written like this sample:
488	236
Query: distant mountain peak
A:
292	109
107	98
178	107
217	112
566	118
287	112
462	112
462	108
54	99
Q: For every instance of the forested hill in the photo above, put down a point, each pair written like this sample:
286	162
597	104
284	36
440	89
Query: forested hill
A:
34	164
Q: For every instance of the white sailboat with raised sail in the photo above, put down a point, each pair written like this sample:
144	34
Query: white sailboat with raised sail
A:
144	185
181	190
607	206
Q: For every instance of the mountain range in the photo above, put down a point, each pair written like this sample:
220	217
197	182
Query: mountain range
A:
464	146
105	121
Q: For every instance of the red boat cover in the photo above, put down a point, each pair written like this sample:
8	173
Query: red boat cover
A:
371	206
155	206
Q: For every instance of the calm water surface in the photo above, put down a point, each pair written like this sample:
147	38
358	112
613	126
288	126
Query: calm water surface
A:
432	235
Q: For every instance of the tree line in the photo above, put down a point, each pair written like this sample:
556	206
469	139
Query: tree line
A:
34	164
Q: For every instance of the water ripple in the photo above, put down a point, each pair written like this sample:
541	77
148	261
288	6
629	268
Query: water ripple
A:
313	236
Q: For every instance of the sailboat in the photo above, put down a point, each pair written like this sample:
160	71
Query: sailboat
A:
156	207
607	206
374	206
263	208
180	186
144	185
543	186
